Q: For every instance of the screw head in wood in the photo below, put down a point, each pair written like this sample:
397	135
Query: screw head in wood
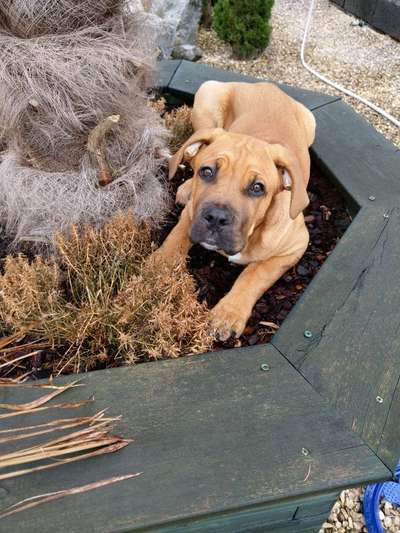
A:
307	334
379	399
305	452
371	198
265	367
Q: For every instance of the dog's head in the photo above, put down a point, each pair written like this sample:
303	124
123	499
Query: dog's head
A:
235	180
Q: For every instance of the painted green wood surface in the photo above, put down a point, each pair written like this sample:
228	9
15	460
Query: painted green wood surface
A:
357	156
299	516
189	76
212	434
352	308
389	442
165	72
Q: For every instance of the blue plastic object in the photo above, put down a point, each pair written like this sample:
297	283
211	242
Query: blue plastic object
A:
390	491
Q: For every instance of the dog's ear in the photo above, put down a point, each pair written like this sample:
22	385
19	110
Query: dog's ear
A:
293	178
192	146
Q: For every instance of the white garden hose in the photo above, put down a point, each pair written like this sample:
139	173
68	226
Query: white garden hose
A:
332	83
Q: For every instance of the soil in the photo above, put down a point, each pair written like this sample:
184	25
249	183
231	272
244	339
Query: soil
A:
3	245
327	218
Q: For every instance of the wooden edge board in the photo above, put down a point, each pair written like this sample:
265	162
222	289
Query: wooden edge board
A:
353	355
189	76
214	435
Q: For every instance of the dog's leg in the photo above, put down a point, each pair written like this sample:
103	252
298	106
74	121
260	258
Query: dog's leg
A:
177	245
184	192
230	315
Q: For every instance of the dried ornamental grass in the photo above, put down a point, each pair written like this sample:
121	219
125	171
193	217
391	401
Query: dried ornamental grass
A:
36	205
94	437
105	300
56	90
32	18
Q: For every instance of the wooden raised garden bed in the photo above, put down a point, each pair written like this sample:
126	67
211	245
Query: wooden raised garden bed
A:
261	438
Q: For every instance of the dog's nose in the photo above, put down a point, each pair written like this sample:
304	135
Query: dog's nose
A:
216	216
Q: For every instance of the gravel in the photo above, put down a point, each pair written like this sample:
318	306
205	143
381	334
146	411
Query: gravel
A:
346	515
359	58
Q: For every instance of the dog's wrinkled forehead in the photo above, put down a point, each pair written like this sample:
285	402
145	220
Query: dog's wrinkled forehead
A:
237	151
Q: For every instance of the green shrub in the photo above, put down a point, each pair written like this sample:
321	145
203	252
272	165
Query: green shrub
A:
244	24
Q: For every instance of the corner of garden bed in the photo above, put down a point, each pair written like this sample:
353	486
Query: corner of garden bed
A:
262	437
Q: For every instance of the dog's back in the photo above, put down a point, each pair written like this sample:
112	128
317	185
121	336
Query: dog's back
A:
261	110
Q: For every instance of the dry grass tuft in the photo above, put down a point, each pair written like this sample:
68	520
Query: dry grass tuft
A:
103	299
28	289
179	123
159	315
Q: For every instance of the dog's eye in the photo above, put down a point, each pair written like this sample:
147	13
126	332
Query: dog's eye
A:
207	173
256	189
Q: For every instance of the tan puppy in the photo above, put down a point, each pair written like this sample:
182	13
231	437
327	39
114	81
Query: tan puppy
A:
251	164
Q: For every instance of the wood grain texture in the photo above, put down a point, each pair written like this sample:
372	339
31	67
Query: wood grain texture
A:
388	445
213	434
352	308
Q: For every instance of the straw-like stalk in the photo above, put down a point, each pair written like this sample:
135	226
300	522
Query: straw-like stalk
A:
34	501
93	440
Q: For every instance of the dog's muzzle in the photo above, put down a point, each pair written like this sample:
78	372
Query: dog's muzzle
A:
215	227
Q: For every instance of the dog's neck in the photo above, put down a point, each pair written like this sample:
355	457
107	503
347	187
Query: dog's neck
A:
252	128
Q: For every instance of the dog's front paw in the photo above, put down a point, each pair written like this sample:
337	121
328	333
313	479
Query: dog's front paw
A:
163	257
227	320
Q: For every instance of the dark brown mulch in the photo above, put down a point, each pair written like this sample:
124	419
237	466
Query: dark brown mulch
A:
327	218
4	245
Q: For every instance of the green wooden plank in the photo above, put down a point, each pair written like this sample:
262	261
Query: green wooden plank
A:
330	287
189	76
386	17
165	71
213	434
317	505
391	433
340	3
291	515
363	9
358	157
353	359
